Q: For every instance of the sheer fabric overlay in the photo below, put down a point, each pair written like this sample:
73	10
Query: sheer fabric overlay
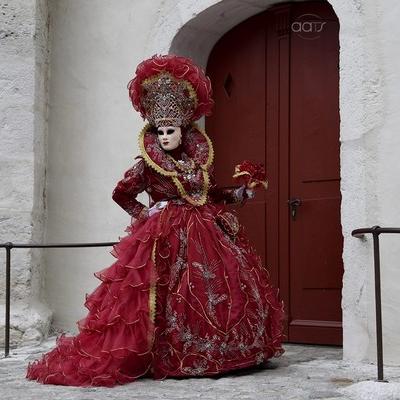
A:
182	299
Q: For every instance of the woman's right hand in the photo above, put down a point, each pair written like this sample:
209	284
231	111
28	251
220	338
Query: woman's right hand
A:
250	193
157	207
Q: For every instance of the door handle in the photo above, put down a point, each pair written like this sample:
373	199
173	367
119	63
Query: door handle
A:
293	204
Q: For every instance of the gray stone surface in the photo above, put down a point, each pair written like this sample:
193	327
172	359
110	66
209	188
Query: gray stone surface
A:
24	65
304	372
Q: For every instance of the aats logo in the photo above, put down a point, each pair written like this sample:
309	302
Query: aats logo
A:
308	26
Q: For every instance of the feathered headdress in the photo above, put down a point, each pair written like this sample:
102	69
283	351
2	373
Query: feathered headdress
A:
169	90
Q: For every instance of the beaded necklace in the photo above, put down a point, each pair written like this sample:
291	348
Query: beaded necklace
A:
186	166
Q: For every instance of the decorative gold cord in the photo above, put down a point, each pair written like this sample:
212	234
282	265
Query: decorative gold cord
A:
152	296
182	166
210	158
174	174
203	198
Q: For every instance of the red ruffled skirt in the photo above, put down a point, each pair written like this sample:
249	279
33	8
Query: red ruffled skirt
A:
182	299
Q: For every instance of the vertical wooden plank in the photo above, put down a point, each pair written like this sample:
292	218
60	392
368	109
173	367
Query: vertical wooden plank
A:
236	68
315	235
276	95
277	129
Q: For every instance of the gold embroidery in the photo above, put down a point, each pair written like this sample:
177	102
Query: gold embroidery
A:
152	294
189	86
203	198
210	158
174	174
183	165
152	299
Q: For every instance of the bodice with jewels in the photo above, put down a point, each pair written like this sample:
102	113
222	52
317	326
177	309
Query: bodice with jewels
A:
186	177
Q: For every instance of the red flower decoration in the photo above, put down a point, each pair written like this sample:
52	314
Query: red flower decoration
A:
252	174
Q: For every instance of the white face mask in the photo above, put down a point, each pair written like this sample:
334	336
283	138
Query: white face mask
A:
169	137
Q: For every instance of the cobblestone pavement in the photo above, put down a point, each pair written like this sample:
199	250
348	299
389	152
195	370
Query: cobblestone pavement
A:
303	372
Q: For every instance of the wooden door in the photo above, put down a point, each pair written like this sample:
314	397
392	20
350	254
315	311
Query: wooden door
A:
275	80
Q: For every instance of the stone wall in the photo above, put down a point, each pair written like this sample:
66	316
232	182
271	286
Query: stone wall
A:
23	131
93	130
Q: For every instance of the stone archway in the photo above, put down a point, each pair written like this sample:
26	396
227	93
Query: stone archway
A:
191	28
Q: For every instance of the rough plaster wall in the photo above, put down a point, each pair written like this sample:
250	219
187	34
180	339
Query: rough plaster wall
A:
370	148
93	130
361	108
23	77
388	172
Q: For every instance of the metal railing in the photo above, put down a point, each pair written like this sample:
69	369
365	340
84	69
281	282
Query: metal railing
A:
376	231
8	246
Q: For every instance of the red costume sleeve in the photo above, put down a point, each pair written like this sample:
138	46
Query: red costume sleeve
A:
225	195
133	183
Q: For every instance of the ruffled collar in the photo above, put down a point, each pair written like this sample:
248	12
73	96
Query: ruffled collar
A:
195	144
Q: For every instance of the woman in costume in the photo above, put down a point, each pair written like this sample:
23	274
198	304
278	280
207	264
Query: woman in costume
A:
187	294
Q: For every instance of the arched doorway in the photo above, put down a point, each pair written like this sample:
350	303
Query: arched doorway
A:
276	90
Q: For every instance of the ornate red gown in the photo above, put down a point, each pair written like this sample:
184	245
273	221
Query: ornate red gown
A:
184	297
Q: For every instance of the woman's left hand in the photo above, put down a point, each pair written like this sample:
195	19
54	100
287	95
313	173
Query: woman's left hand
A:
250	193
244	192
